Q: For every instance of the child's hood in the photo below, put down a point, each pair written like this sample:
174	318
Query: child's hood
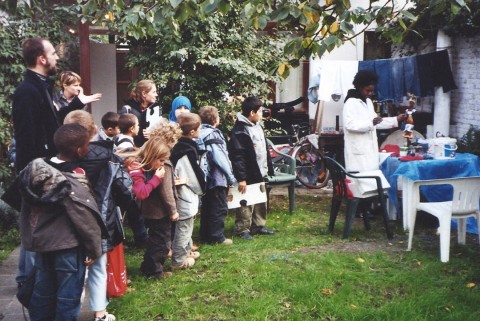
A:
183	147
42	183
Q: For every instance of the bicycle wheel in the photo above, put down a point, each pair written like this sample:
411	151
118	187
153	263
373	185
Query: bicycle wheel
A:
311	169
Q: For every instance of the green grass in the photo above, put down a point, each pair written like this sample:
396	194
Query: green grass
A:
9	240
304	273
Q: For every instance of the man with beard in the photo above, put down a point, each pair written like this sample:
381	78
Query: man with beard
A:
35	118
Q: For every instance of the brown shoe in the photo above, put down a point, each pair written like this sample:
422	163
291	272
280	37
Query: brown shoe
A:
162	276
195	247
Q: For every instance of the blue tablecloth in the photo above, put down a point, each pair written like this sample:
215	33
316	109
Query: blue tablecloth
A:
463	165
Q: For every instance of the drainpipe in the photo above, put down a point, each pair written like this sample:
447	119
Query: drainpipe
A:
441	116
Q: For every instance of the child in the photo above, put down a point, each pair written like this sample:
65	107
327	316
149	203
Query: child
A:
251	162
61	222
110	128
185	158
214	203
153	184
112	187
128	124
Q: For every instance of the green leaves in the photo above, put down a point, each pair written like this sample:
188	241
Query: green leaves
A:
175	3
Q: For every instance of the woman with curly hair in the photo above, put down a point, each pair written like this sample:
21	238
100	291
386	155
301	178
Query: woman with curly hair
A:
360	123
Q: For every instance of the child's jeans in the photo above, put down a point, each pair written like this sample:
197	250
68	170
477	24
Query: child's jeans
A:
182	241
97	284
58	285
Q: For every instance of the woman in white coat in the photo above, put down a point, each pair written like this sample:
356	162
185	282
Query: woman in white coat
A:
360	123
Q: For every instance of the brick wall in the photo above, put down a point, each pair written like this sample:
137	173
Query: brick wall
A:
465	101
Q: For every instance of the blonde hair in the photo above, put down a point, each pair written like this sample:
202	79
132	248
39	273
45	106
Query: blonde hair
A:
154	149
68	78
168	131
141	87
82	118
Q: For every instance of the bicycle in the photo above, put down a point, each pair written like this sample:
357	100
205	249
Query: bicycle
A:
311	169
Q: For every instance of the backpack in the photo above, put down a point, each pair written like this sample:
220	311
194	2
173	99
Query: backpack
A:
206	158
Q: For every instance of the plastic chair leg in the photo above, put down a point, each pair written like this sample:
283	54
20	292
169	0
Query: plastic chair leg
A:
268	198
351	210
365	207
291	197
461	230
335	207
477	217
386	219
444	230
411	228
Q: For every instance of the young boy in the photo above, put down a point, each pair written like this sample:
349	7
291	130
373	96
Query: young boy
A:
112	187
185	159
214	203
129	127
61	222
110	128
251	162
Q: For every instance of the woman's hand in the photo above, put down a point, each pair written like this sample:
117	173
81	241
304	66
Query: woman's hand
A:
377	120
402	117
88	99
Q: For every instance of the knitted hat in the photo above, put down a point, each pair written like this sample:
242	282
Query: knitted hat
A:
179	102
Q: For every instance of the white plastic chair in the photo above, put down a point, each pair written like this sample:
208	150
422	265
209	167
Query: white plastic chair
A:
465	203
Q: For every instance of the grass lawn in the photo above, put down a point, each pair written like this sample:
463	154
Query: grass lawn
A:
9	240
304	273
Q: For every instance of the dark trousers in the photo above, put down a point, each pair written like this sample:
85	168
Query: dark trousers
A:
58	285
212	215
159	238
136	222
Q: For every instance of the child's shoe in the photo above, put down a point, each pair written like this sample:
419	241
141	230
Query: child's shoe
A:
106	317
189	262
194	255
227	242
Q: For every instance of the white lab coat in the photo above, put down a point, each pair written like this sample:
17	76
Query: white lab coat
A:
361	145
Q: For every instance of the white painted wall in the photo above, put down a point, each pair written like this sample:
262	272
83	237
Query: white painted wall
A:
104	78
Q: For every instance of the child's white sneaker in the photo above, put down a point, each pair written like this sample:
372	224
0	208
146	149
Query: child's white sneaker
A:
189	262
106	317
194	255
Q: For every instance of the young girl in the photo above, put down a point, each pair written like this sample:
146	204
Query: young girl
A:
153	185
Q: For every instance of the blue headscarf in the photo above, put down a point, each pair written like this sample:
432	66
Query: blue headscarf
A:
176	103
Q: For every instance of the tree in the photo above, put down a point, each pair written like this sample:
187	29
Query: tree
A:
319	26
208	59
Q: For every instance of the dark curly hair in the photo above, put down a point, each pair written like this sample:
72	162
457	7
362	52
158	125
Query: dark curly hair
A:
365	78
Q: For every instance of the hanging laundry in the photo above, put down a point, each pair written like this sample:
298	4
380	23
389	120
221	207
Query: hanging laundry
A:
434	71
330	79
